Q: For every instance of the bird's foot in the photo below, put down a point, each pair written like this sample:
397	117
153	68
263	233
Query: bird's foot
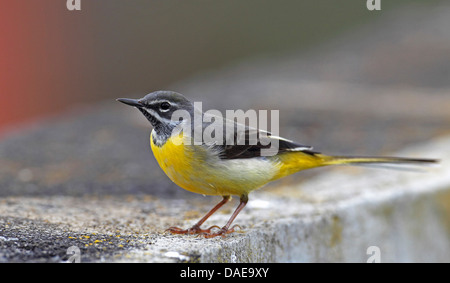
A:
191	231
222	232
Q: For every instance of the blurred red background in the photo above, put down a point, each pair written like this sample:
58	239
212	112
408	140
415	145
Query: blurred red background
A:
41	49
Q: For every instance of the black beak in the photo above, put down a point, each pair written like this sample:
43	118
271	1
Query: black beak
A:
131	102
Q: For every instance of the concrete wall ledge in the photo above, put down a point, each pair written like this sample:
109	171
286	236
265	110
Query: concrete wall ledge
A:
346	215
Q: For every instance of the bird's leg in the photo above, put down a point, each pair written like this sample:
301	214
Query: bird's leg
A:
196	228
226	229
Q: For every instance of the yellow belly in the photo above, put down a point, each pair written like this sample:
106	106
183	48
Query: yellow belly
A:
196	169
294	161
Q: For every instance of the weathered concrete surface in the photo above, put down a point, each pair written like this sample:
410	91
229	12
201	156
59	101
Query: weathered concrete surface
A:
335	217
90	181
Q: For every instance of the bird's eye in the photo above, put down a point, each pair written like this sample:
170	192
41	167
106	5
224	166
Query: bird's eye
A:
164	106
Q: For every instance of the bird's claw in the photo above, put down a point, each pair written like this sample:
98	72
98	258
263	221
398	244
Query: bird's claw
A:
191	231
204	232
222	232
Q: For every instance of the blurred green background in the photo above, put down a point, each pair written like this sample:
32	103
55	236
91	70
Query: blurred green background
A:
55	59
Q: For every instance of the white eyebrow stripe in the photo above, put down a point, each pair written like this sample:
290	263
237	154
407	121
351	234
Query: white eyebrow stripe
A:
153	102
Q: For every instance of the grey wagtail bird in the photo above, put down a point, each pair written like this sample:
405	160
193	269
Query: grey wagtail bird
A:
226	169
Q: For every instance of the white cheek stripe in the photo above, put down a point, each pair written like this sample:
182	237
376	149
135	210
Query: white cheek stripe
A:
159	118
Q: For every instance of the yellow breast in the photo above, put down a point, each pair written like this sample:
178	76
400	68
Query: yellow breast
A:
174	159
197	169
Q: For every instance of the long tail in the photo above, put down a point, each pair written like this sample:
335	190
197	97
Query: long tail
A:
292	162
363	160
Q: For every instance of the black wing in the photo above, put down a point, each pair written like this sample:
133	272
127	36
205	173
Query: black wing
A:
248	142
265	140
